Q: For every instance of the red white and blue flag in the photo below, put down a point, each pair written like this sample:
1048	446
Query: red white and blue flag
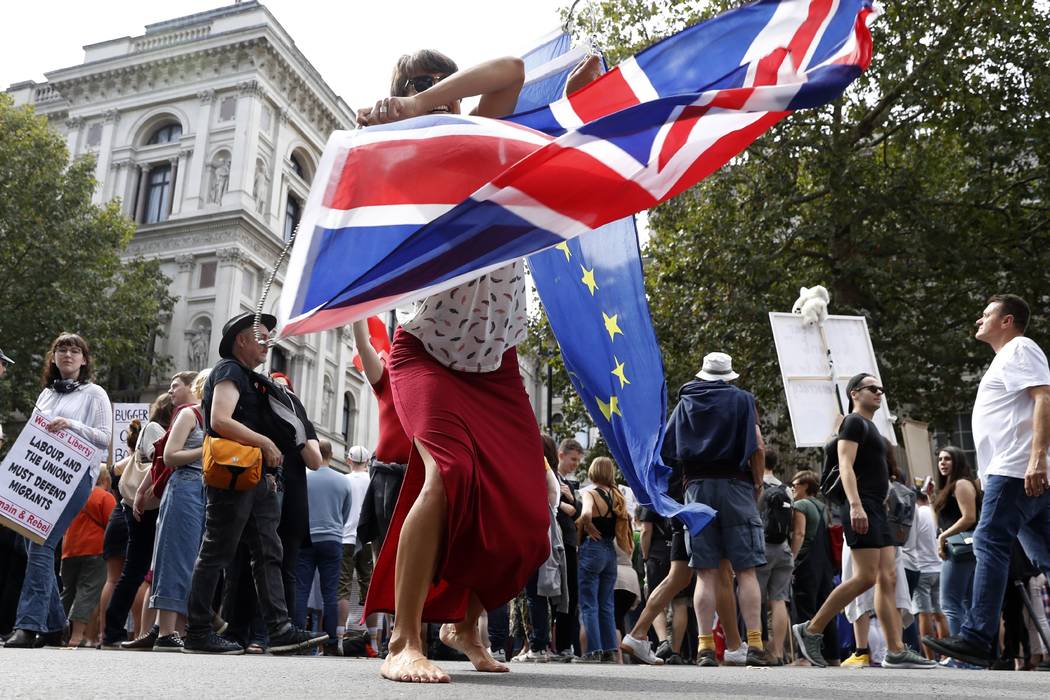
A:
401	211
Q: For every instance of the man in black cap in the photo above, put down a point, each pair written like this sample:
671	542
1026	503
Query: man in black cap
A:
235	408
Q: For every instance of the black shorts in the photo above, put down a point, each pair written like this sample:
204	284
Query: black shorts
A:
115	540
657	566
680	553
878	534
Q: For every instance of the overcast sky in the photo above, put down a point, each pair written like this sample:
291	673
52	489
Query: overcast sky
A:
353	44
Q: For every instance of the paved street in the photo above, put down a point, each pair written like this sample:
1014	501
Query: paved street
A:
89	674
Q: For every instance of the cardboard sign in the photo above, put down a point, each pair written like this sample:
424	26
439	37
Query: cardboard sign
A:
816	367
39	474
123	414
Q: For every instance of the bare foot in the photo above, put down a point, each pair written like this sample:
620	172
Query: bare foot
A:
468	642
410	666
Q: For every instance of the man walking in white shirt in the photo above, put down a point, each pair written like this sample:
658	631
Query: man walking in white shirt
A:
1011	430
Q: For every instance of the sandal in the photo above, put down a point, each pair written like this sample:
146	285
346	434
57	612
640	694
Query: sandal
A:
254	648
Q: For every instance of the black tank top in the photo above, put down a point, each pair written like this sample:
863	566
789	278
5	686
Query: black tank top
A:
605	524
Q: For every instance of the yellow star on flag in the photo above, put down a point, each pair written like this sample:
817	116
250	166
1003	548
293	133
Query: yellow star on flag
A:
588	279
608	409
611	325
564	247
619	373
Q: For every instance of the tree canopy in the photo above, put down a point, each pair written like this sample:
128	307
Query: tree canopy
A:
913	198
61	267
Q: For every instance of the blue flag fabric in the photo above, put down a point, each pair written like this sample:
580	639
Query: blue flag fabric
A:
593	291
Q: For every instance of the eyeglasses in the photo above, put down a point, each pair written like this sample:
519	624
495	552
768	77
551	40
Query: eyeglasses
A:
873	388
423	82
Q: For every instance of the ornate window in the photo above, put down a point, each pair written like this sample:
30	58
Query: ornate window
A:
297	165
328	401
165	134
293	210
158	194
349	418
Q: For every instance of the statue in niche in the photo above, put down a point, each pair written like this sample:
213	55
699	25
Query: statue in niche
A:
326	407
261	187
198	341
220	180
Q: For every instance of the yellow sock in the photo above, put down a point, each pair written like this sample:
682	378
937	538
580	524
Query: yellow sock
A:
707	642
754	639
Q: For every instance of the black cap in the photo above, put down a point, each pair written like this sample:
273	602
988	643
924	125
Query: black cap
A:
237	324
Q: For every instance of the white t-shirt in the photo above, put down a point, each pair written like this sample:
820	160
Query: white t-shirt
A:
919	553
1004	412
358	485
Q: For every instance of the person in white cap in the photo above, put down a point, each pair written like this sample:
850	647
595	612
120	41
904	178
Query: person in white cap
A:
357	554
713	440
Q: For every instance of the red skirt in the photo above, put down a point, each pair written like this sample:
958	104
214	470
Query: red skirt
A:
482	433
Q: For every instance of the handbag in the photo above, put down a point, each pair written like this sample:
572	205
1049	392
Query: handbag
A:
231	466
159	471
134	473
960	546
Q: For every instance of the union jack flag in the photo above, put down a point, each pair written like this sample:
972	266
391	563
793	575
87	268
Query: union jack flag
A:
401	211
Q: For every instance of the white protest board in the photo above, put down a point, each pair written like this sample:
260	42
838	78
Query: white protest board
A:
40	472
123	414
812	403
919	449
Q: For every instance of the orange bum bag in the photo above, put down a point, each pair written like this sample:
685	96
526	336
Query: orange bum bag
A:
230	465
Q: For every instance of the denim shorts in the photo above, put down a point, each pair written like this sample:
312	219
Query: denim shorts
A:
735	534
926	598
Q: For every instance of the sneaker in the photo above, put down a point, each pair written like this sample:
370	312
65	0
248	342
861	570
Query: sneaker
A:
169	642
856	660
761	658
563	657
536	657
610	657
735	657
212	644
143	643
707	658
961	648
294	639
664	650
674	660
332	649
809	644
500	655
907	658
640	650
595	657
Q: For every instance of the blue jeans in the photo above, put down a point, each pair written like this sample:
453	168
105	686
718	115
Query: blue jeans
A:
1006	514
597	587
327	559
39	605
180	529
539	613
956	591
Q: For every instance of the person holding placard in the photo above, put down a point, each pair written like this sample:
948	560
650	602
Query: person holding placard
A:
865	474
72	402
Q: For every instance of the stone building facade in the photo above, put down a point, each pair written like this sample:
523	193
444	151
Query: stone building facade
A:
207	129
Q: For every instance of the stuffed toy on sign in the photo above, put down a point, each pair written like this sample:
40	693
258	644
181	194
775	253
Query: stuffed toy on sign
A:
812	304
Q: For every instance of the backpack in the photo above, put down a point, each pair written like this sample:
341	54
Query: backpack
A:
831	479
900	507
776	515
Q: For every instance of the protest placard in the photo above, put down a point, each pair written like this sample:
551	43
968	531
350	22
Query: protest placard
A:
123	414
39	474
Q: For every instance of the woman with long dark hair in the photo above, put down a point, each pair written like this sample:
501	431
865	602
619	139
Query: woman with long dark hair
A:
72	402
955	506
476	465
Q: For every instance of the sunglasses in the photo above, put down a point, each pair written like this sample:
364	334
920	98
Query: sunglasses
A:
423	82
873	388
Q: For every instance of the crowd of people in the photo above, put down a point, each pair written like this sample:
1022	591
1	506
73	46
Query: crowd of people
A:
143	560
226	530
